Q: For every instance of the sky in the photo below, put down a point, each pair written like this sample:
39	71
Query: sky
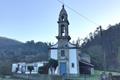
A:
26	20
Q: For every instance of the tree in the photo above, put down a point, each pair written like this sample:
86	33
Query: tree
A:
90	35
41	70
78	42
30	68
53	65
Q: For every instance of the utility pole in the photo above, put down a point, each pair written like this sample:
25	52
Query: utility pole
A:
102	42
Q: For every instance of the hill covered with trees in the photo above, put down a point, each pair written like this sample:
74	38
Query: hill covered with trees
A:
12	51
104	42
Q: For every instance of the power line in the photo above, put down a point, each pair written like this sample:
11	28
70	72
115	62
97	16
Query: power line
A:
86	18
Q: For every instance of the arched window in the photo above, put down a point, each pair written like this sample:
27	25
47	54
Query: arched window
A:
63	30
62	17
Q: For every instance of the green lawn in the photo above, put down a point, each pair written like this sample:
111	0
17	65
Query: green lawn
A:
96	76
98	72
9	79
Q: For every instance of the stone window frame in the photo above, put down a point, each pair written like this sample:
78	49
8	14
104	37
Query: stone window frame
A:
72	65
62	53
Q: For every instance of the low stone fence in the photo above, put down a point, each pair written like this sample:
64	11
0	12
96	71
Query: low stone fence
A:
37	77
82	77
55	77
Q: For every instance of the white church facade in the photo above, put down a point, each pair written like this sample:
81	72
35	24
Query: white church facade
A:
68	54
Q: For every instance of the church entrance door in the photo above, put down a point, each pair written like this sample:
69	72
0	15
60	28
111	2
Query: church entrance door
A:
63	68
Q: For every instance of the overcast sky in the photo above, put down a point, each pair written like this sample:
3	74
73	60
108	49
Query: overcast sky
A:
25	20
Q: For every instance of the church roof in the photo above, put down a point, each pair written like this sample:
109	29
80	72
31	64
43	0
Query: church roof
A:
86	63
69	46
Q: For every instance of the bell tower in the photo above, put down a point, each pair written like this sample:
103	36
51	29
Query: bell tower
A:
63	40
63	33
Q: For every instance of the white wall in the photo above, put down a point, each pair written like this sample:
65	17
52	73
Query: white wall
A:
73	59
53	54
92	71
14	67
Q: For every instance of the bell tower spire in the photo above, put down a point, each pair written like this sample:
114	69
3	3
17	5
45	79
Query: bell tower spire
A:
63	23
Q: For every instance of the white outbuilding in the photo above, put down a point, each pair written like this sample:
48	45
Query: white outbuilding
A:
22	67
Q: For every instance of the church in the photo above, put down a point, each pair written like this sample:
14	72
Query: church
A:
70	59
69	56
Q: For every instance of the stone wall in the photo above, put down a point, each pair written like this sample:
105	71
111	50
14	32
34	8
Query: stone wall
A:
37	77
